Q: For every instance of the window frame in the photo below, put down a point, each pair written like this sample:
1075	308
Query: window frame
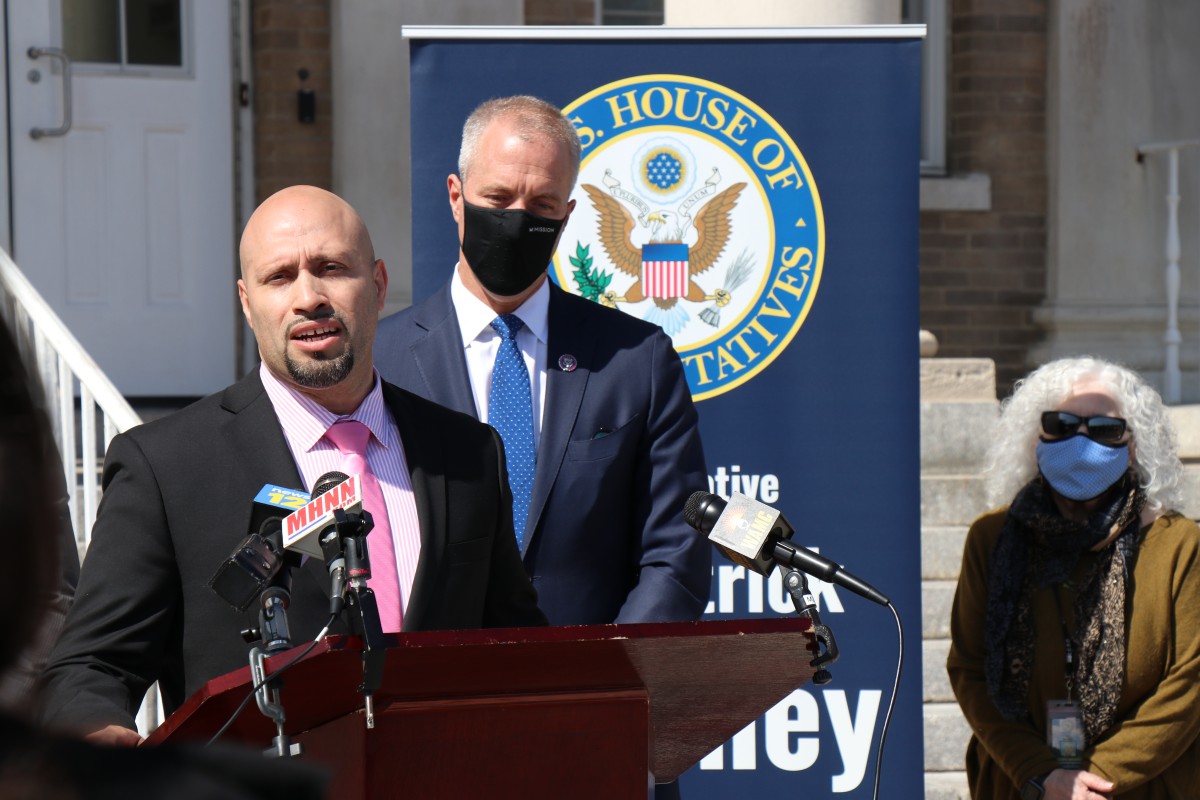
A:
184	70
649	17
934	79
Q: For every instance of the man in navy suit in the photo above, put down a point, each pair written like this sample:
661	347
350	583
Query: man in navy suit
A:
615	448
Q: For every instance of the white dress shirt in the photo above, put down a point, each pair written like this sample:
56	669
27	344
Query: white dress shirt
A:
480	343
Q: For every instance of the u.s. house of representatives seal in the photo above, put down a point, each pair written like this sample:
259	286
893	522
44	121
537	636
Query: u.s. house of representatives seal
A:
694	210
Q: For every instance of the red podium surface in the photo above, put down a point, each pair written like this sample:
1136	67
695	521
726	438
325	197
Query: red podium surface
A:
588	711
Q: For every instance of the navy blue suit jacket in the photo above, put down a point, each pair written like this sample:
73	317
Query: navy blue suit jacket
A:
619	454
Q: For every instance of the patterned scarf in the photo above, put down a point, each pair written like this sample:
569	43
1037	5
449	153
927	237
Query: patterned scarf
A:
1039	548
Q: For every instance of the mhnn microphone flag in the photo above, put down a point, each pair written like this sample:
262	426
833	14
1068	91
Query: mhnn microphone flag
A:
300	528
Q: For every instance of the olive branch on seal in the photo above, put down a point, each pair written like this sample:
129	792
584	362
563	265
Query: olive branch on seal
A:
591	282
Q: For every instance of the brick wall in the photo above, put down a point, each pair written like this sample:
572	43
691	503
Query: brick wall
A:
984	272
287	36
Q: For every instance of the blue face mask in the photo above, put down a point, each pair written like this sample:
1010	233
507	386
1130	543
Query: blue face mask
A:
1080	469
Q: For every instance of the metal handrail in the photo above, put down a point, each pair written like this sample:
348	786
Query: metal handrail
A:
1172	338
1159	147
64	367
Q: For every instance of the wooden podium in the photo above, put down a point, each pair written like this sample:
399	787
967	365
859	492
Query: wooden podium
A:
587	712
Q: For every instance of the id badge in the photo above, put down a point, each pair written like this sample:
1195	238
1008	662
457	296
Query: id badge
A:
1064	732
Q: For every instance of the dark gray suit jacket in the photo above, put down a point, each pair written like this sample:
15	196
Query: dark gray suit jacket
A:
177	499
619	454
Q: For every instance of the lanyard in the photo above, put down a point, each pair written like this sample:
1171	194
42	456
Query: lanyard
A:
1068	643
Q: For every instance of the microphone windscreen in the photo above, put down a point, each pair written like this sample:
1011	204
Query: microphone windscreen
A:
702	511
240	578
256	560
328	481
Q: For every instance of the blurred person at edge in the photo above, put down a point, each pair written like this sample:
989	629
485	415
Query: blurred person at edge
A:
1078	604
35	764
58	590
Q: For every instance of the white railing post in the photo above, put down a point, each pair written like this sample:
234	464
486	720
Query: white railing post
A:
1172	339
89	463
62	367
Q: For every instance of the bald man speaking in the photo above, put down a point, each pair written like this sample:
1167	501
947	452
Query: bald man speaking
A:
178	491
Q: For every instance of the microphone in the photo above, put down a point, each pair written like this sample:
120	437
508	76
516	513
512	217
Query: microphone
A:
257	559
757	536
327	482
339	525
331	547
333	491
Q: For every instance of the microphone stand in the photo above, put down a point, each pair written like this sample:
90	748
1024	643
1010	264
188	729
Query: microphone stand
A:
275	637
352	530
270	705
806	606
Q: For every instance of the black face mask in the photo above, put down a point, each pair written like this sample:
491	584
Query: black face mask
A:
507	249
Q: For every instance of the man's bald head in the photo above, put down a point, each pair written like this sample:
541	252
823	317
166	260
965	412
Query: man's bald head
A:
304	207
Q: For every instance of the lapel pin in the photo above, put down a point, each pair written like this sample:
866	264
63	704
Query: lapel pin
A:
567	362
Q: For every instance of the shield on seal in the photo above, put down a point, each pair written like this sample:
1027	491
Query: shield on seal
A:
665	269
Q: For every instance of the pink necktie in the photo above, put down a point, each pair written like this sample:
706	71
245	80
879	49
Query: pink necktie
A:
350	437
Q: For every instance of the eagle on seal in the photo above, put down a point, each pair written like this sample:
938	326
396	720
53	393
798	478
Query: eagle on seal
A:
615	228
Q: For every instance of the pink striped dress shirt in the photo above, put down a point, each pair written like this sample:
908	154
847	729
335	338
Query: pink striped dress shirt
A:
305	422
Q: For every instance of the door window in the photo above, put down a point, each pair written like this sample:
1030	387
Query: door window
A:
124	35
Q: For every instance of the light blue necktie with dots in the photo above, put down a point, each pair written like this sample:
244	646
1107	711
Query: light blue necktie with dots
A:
510	412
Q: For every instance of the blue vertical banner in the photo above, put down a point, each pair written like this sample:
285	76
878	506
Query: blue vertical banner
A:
755	194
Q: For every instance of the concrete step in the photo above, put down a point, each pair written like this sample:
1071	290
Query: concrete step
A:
941	551
1187	425
1191	480
936	600
946	786
934	680
949	499
958	380
955	436
946	737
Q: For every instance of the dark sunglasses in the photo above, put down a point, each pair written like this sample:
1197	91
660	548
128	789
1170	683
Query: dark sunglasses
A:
1064	425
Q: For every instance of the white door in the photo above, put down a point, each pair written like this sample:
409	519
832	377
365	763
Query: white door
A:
125	222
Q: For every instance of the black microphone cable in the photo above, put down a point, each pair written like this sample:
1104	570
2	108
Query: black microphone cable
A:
887	718
254	689
704	509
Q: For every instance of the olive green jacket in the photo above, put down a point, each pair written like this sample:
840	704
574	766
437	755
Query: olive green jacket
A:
1153	750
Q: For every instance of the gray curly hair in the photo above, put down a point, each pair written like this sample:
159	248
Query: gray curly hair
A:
1012	458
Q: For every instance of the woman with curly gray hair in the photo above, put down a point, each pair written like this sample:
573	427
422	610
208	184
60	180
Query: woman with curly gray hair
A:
1075	630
